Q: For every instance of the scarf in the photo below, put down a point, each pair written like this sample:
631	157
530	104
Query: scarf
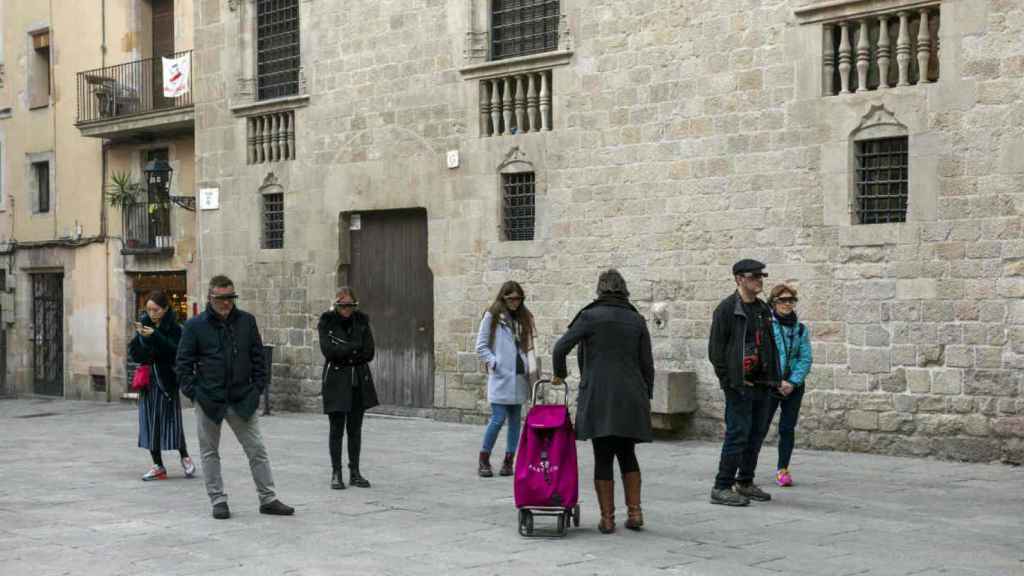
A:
787	320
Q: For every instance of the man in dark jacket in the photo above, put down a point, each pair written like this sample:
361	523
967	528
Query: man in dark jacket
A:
221	368
743	353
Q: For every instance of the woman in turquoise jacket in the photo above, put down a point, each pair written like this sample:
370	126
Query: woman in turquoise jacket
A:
793	340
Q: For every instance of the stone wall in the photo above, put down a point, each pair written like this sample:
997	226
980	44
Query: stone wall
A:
686	135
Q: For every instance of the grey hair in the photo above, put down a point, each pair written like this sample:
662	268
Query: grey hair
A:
611	282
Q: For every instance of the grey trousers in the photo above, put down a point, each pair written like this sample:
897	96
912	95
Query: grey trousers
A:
248	434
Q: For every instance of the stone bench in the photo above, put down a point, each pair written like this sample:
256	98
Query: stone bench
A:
675	397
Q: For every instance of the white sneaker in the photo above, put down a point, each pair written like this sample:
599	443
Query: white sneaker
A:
189	466
155	473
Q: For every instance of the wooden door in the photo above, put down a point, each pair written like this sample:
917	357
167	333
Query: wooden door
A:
396	289
163	45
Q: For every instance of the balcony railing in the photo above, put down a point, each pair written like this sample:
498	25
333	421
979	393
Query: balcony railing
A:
128	89
147	227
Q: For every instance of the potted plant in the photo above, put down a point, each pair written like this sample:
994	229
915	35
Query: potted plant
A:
123	190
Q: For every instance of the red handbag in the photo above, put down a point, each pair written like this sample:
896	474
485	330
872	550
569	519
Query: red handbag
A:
143	376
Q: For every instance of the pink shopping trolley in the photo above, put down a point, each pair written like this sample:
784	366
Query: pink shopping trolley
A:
546	474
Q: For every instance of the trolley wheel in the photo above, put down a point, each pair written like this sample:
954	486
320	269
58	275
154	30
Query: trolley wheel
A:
525	523
576	515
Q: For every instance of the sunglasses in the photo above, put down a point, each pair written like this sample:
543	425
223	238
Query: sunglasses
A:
231	296
787	300
346	304
754	275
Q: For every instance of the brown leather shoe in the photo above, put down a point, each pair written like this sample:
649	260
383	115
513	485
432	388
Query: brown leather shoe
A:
506	465
484	469
631	487
606	501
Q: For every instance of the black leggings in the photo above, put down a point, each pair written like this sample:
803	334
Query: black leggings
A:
353	423
158	459
606	449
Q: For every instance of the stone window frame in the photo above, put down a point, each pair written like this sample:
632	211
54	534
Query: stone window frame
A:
244	98
477	52
271	186
32	187
839	165
516	161
33	100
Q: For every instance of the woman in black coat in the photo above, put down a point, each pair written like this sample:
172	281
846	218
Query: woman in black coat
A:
156	343
346	342
616	386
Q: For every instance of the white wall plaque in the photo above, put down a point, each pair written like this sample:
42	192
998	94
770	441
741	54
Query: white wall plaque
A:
453	158
209	198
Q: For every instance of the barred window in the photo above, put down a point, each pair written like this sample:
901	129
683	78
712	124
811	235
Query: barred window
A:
273	220
521	27
518	206
882	180
277	48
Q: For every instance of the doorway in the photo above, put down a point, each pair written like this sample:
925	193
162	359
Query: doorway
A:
48	333
395	286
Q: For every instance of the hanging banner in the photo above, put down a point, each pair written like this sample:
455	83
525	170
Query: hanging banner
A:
176	76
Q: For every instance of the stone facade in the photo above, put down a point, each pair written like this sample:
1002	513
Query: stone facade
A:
684	135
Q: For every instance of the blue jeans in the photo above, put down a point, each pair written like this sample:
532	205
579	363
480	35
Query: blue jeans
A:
499	413
746	423
787	422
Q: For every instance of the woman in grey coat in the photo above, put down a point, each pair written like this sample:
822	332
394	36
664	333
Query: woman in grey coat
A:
505	344
616	385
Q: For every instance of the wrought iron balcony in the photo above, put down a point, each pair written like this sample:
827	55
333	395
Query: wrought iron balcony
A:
147	228
127	100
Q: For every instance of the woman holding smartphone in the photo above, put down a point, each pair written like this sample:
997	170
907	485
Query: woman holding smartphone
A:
156	343
346	342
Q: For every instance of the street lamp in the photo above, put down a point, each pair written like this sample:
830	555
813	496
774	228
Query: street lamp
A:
158	177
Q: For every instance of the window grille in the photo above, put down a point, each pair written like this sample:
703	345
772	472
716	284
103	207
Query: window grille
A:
521	27
519	206
273	220
882	180
277	48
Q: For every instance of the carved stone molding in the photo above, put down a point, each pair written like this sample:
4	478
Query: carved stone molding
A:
515	161
876	117
269	182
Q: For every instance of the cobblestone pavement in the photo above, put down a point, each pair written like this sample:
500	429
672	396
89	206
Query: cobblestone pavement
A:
71	502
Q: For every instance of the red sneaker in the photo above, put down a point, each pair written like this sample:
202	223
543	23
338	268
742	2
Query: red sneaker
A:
155	473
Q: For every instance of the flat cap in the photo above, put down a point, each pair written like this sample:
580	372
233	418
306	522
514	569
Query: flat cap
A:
747	265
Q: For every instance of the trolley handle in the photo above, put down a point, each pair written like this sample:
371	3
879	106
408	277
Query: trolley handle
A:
538	385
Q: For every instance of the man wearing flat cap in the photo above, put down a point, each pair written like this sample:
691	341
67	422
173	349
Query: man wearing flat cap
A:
742	350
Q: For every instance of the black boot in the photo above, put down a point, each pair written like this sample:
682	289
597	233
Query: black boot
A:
507	466
356	479
336	482
484	468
